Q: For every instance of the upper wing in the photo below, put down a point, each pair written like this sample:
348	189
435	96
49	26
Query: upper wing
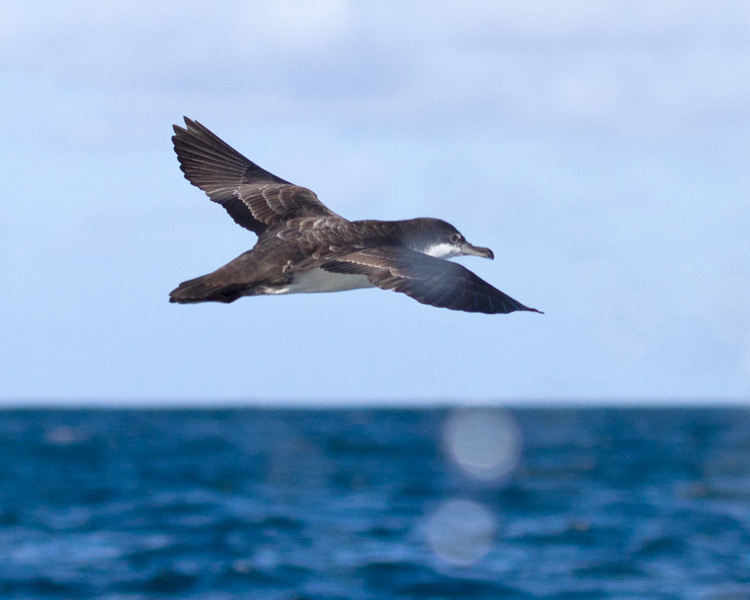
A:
427	279
255	198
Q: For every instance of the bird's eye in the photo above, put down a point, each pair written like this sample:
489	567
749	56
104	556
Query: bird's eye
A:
455	238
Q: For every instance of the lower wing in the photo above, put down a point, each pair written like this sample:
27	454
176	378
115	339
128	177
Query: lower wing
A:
428	280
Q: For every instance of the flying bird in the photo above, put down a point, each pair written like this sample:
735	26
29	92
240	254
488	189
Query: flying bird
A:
304	247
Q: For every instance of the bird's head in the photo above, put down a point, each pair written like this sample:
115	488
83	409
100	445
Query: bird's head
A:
440	239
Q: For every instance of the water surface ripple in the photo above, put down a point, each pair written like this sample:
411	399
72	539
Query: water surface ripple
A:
371	504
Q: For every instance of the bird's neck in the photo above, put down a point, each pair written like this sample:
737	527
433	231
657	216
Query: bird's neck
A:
414	234
388	233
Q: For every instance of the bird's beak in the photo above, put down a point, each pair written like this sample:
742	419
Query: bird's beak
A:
468	249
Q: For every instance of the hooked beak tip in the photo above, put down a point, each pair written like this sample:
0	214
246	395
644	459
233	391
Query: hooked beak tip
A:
478	251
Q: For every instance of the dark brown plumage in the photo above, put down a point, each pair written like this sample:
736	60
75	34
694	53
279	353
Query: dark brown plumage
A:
305	247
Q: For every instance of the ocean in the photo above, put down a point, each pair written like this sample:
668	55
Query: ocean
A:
375	504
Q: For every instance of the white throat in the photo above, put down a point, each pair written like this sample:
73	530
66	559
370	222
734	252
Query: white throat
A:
442	250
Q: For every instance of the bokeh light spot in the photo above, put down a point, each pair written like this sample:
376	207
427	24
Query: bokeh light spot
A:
461	531
484	443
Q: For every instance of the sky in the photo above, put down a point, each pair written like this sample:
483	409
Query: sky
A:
600	148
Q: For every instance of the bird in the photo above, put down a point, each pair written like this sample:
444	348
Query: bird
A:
304	247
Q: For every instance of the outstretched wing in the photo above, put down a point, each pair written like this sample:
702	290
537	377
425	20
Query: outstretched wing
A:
254	198
427	279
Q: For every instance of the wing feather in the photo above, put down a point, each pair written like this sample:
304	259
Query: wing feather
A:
253	197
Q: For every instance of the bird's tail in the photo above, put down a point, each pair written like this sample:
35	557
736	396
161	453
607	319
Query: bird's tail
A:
206	289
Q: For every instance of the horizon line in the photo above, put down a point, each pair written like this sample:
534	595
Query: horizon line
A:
354	404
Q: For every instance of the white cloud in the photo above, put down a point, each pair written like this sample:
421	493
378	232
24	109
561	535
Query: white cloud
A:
638	66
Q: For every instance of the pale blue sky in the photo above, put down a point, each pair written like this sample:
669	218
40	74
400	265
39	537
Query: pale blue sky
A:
601	149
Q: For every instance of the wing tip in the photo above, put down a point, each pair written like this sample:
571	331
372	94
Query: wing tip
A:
192	128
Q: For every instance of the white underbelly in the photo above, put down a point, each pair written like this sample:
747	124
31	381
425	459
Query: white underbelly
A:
318	280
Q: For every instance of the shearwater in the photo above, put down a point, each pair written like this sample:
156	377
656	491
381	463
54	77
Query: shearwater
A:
304	247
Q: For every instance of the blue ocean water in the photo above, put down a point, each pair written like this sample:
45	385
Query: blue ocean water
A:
375	504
